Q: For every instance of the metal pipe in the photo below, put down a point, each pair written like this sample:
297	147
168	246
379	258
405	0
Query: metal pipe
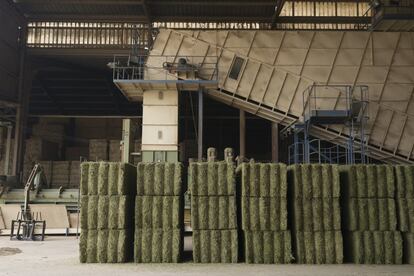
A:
242	135
275	142
200	125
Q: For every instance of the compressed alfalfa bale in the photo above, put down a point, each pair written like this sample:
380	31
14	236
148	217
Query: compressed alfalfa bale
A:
92	247
404	176
98	150
83	246
263	179
93	178
84	176
314	180
102	246
373	247
316	214
370	214
159	212
93	212
321	247
103	212
367	181
408	245
212	178
120	212
103	174
159	179
405	212
267	247
213	212
158	245
83	212
215	246
127	179
113	176
264	213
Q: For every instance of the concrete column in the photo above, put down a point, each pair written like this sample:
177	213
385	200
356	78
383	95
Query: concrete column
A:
242	135
275	142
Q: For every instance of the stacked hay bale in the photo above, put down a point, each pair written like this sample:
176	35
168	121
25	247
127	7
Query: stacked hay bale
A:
266	237
107	201
369	215
159	213
98	150
213	212
315	214
405	209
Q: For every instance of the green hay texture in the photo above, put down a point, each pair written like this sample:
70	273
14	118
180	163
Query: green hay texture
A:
159	179
159	212
113	176
405	181
84	176
92	217
102	246
370	214
83	246
267	247
93	178
213	212
127	179
263	180
158	246
103	178
318	247
120	246
314	181
120	212
211	179
92	246
408	245
368	181
405	209
264	213
103	210
215	246
374	247
316	214
84	212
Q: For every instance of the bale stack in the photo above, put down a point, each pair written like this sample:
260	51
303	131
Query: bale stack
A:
98	150
315	214
107	201
369	215
266	237
159	213
405	209
213	212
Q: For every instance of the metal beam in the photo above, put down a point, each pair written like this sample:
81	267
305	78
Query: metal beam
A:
278	9
200	125
242	135
275	142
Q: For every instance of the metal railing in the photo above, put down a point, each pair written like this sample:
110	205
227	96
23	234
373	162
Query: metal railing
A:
153	68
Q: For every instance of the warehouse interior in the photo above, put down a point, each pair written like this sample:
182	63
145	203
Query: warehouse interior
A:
146	109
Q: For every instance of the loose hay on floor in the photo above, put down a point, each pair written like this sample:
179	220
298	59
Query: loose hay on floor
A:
267	247
264	213
215	246
213	212
158	245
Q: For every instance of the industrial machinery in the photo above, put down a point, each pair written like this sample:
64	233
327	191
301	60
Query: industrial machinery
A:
26	221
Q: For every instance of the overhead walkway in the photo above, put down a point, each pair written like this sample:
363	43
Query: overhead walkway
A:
266	72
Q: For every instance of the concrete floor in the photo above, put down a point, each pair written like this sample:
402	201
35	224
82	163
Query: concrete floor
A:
59	256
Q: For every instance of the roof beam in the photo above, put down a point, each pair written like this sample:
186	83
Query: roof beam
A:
278	9
82	2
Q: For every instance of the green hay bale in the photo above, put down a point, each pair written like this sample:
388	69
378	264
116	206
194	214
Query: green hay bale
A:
102	246
374	247
158	246
370	214
212	179
93	178
213	212
103	178
405	181
408	245
84	176
405	213
318	247
91	250
83	246
125	246
120	212
127	179
158	179
218	246
112	254
316	214
113	212
267	247
163	212
103	210
264	213
113	175
92	212
83	212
